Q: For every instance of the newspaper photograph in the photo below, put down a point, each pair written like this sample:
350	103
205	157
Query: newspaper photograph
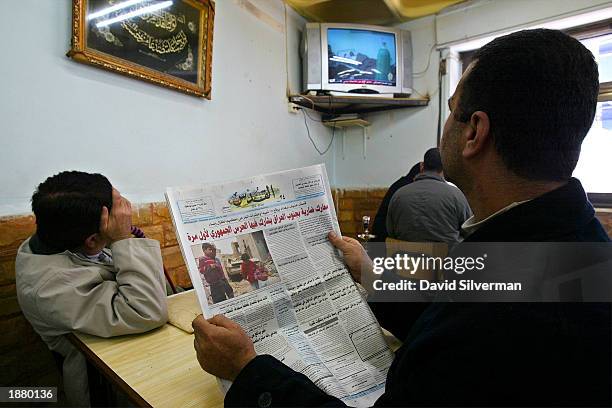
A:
257	251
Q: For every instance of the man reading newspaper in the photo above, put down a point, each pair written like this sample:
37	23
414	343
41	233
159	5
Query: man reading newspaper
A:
511	142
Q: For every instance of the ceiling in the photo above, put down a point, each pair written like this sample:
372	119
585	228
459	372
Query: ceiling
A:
380	12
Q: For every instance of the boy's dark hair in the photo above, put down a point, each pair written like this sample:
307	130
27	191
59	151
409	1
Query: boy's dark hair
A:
539	89
206	246
432	160
68	206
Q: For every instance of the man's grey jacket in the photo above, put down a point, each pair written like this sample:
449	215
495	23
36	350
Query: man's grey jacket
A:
427	210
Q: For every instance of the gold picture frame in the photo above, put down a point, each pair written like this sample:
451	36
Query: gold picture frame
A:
170	47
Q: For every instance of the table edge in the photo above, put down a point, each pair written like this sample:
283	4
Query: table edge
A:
134	396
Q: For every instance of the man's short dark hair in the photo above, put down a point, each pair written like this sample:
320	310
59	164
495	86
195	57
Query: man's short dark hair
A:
68	207
207	245
432	160
539	89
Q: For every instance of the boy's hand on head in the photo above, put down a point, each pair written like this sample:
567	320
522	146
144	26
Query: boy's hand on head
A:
222	347
118	224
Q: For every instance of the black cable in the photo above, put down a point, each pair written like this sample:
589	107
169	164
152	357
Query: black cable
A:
419	73
310	117
313	142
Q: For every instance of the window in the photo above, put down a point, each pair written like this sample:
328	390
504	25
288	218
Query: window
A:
594	168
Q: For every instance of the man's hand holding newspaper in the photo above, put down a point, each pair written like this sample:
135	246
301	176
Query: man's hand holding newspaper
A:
222	347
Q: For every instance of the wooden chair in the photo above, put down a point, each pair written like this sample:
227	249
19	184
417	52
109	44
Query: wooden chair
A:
417	249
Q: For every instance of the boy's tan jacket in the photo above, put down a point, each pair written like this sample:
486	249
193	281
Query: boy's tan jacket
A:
66	292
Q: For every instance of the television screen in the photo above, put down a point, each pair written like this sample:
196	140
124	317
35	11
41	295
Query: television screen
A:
361	57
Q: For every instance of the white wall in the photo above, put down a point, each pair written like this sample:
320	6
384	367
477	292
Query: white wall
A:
399	138
56	114
481	18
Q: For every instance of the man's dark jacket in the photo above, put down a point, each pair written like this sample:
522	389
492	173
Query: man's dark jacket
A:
475	354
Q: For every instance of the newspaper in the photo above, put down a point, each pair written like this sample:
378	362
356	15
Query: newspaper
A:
257	251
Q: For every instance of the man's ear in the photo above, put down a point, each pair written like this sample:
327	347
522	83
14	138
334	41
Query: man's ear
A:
477	134
421	167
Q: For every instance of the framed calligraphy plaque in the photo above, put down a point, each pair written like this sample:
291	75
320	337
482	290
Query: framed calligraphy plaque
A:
167	42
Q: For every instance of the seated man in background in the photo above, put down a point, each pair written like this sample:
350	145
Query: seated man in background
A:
518	118
82	272
429	209
379	226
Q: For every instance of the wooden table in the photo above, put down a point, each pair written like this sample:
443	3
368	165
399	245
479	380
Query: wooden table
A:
155	369
159	368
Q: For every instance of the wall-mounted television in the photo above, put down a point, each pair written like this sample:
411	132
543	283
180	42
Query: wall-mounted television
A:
356	58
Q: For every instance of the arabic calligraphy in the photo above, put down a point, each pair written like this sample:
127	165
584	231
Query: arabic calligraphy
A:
163	19
309	302
339	293
159	45
240	306
246	198
236	226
